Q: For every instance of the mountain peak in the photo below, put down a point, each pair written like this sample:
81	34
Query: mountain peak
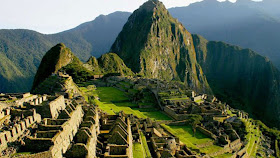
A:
56	58
155	45
60	45
151	5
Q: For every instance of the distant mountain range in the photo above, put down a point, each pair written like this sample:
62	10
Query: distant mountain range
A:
21	51
245	78
166	50
254	25
248	24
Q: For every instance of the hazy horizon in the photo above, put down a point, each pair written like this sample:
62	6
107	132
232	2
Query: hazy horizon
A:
47	18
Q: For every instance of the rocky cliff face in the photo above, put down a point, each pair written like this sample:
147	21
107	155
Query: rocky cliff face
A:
241	77
154	44
56	58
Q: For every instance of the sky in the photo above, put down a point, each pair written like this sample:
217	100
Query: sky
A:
52	16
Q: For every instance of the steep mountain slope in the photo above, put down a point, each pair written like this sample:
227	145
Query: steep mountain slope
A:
92	65
244	23
11	75
108	63
25	48
241	77
154	44
60	58
112	63
56	58
101	32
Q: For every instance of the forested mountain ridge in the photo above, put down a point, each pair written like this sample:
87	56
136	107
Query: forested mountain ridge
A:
24	49
164	48
241	78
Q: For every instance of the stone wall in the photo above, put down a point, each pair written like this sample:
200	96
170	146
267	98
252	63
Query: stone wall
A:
120	139
206	132
18	129
23	100
174	115
62	139
4	112
86	137
197	98
56	106
129	139
39	100
220	152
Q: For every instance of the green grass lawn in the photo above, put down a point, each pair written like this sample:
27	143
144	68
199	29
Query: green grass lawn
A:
199	101
113	100
111	94
185	133
230	113
145	146
21	154
178	98
138	150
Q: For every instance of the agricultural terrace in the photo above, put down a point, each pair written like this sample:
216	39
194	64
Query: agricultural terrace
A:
113	100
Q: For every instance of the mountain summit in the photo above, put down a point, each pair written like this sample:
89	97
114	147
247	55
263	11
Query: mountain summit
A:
154	44
56	58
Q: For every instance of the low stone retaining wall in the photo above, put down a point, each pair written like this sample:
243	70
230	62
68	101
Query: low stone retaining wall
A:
17	130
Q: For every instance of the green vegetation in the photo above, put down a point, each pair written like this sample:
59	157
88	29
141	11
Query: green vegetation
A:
113	100
25	48
157	31
111	94
185	133
230	113
12	79
56	58
145	146
253	137
112	63
226	155
78	72
60	58
271	131
277	148
210	149
199	101
234	74
49	85
92	61
138	150
21	154
185	98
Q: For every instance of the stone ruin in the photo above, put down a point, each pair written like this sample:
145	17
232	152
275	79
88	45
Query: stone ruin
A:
181	104
16	121
55	126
